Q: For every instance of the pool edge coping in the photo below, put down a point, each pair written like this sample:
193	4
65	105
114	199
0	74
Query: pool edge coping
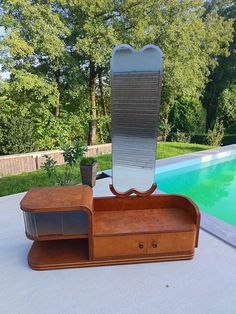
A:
218	228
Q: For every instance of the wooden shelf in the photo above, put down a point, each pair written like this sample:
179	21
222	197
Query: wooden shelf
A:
52	237
142	221
44	254
152	214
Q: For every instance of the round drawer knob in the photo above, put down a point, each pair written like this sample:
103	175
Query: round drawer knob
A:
141	245
154	244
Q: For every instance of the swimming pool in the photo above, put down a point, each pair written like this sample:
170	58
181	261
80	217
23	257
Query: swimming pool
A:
211	184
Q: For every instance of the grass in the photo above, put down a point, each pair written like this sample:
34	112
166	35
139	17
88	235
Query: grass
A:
23	182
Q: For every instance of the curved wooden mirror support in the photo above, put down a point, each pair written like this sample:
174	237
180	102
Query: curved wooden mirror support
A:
133	191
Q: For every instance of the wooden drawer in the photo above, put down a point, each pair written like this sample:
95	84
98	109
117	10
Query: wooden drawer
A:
144	244
170	242
119	246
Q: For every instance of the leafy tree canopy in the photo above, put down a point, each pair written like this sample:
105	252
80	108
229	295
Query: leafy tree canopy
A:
225	73
226	110
58	55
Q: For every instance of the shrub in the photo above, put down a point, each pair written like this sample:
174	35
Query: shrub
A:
72	154
181	137
199	139
229	139
165	129
49	166
17	134
215	136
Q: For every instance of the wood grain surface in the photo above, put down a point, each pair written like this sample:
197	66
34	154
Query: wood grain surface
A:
58	198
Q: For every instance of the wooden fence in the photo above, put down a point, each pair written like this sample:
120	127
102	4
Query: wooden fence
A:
15	164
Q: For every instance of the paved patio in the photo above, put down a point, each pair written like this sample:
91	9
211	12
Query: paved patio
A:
204	285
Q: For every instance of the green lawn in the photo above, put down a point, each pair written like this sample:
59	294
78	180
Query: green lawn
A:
25	181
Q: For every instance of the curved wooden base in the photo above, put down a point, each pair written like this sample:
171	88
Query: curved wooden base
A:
44	256
133	191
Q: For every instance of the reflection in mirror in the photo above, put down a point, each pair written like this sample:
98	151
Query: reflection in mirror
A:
136	89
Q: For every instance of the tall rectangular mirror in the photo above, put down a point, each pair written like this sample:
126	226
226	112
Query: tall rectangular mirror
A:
136	90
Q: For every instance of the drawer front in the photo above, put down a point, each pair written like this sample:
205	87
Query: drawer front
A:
116	246
171	242
140	245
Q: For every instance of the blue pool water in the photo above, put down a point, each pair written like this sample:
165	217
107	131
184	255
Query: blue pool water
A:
212	186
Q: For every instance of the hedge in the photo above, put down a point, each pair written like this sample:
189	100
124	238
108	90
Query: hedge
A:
229	139
202	139
199	139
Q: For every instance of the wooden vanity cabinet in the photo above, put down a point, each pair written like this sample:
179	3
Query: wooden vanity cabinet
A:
159	224
70	228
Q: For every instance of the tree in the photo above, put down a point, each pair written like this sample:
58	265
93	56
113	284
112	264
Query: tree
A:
187	116
46	78
17	134
58	53
34	45
226	109
99	30
224	74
